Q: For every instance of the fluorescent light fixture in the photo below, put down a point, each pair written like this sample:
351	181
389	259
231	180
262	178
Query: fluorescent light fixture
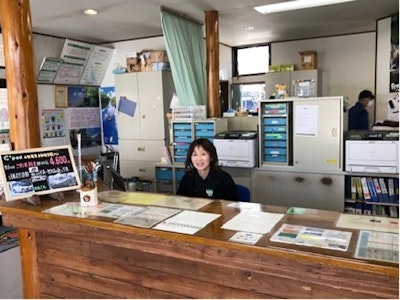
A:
90	12
295	4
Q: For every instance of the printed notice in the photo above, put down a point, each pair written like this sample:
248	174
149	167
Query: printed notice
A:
312	237
383	246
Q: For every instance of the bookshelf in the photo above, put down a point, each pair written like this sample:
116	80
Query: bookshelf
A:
372	194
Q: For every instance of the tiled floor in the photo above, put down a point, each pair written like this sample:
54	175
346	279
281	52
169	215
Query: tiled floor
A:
10	274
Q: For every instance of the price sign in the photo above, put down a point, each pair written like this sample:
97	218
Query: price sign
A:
38	171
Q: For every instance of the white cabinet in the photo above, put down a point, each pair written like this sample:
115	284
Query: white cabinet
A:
143	133
302	83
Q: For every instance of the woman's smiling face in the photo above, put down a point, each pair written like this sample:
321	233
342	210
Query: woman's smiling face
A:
201	159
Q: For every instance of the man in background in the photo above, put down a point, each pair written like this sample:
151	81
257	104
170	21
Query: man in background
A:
358	115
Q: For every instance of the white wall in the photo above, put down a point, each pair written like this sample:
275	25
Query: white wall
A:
347	63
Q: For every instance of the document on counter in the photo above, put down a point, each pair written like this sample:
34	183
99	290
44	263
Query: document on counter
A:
147	217
117	210
182	202
253	221
313	237
374	223
245	205
376	245
75	209
249	238
187	221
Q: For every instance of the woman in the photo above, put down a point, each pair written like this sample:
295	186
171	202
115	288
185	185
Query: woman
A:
204	178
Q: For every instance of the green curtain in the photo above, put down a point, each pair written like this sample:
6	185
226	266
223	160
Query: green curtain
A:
186	53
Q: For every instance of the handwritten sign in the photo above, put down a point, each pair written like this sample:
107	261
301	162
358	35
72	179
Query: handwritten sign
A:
38	171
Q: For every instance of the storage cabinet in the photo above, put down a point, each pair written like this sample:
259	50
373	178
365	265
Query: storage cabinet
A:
294	188
372	173
372	194
142	124
301	153
303	133
184	132
168	177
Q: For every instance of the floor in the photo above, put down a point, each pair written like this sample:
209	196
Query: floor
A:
10	274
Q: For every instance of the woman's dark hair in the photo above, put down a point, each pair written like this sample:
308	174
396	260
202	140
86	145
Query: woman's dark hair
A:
208	147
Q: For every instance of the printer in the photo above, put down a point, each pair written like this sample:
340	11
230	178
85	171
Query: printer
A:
372	151
236	148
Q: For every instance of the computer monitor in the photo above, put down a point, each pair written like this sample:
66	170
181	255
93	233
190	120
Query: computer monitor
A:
118	182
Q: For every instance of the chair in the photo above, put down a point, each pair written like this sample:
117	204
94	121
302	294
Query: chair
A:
244	193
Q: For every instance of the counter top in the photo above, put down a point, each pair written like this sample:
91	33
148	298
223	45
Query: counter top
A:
307	271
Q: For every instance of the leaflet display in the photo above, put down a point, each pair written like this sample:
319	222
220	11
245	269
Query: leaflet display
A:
38	171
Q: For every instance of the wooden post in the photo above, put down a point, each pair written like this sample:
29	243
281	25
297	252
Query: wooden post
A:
212	54
20	75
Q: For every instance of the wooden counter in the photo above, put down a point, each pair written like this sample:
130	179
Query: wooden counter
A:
67	257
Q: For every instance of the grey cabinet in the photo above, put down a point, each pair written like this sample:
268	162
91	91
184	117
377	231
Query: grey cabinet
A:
143	133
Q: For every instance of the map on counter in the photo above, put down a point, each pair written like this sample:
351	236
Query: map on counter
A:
374	245
187	221
182	202
313	237
363	222
147	217
75	209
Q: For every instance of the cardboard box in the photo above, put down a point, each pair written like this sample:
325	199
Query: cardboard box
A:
308	60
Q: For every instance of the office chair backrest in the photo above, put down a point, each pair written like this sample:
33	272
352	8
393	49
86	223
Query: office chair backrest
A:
244	193
118	182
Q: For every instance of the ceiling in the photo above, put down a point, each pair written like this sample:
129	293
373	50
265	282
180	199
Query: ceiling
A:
120	20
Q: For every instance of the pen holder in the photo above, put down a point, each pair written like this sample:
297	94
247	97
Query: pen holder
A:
89	196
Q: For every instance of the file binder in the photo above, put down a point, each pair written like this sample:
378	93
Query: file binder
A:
385	194
378	189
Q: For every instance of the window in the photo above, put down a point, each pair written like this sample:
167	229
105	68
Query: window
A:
251	60
246	97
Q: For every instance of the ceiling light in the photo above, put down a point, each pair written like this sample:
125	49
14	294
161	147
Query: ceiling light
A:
90	12
248	28
296	4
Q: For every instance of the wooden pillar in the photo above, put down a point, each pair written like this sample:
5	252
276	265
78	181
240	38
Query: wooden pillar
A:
20	75
212	65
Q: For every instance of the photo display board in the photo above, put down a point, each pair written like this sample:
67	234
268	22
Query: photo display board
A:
38	171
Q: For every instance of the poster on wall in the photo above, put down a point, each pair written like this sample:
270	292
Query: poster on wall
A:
81	96
85	121
53	123
82	63
109	115
4	122
48	70
394	55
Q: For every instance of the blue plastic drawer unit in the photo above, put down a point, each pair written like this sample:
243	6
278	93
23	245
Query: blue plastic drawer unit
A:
179	172
164	173
274	121
275	158
275	136
182	137
204	130
275	144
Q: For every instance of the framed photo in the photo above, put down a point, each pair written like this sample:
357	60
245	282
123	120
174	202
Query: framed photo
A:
60	96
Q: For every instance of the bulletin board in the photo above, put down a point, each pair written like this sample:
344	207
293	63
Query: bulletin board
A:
38	171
